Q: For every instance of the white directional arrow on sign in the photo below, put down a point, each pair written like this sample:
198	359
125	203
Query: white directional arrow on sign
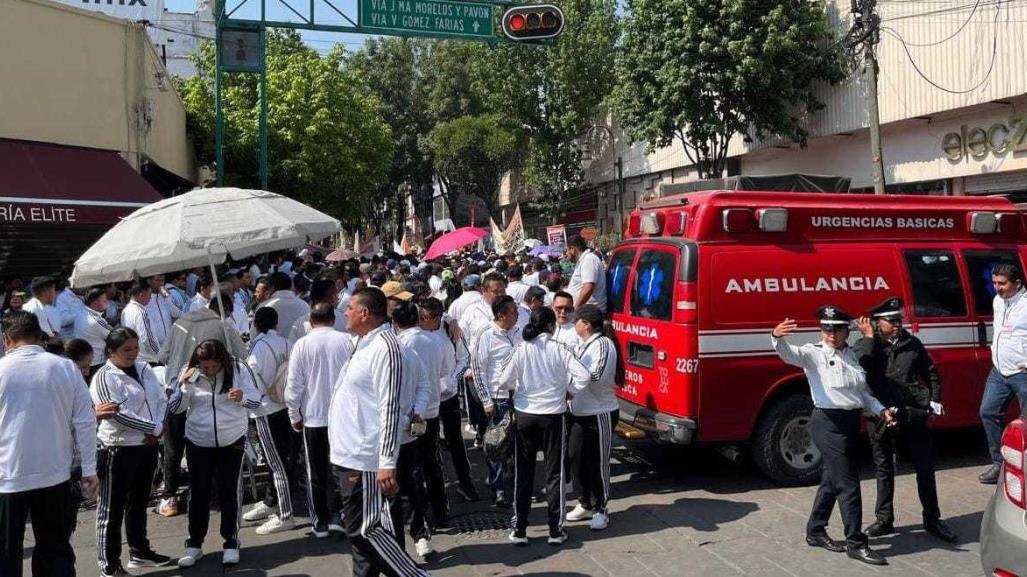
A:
476	26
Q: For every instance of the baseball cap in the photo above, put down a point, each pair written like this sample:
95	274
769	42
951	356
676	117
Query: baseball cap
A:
471	281
394	290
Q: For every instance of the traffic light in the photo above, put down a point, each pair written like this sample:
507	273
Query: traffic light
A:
534	22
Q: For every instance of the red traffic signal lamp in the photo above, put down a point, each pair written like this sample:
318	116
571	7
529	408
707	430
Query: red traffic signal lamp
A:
533	22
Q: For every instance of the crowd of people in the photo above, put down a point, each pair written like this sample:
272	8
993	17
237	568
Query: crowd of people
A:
350	377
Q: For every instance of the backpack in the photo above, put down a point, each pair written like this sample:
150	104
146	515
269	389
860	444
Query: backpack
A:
275	390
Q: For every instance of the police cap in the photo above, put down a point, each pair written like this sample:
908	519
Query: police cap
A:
889	307
832	316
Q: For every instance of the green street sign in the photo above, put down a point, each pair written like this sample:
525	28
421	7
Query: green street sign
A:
428	17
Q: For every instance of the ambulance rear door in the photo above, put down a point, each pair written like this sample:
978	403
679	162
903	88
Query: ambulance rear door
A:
656	326
940	317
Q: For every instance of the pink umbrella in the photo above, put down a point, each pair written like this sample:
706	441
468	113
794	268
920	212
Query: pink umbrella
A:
341	254
457	239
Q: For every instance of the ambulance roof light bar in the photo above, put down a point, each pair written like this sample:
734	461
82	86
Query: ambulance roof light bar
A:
652	223
983	222
773	219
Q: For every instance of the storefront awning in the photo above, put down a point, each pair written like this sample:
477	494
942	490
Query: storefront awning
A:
47	183
55	201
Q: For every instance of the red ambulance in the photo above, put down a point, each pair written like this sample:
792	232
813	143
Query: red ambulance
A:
702	278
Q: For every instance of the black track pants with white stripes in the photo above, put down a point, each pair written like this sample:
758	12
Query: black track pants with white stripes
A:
535	433
589	444
374	527
274	432
126	476
52	554
322	495
220	469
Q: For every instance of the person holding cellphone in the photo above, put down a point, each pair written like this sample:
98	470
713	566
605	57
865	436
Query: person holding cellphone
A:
216	392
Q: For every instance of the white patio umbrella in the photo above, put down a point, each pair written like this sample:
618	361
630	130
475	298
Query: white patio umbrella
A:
200	228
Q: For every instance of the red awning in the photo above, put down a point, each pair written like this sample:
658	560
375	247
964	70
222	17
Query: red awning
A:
48	184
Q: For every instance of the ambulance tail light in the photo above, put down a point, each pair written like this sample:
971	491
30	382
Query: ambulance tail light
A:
686	309
676	223
634	225
983	222
652	223
1014	445
772	219
737	220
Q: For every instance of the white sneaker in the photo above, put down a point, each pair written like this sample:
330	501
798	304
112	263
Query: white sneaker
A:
424	548
275	525
192	555
599	522
231	557
258	513
580	513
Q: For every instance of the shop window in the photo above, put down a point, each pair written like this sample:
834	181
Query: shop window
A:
980	265
937	289
652	293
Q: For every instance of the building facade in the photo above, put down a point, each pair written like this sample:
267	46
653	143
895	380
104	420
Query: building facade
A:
953	107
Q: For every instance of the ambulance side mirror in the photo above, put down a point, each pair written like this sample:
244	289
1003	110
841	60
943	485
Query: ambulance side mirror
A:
773	219
983	223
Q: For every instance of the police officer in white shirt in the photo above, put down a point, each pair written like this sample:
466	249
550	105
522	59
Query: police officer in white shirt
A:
541	373
47	416
127	456
136	316
565	333
314	365
840	393
588	281
92	327
44	293
269	361
594	414
1008	376
367	427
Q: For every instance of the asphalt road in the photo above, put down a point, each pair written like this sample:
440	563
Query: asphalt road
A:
676	512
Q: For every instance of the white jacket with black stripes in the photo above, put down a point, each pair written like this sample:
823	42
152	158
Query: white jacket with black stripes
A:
542	372
599	355
366	413
91	327
213	419
141	404
494	347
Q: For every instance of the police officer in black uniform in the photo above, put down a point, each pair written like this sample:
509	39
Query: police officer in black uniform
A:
901	374
839	390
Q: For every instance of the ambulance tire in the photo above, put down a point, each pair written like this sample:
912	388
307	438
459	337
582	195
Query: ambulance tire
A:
768	450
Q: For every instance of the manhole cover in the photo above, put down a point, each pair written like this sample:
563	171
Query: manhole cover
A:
481	525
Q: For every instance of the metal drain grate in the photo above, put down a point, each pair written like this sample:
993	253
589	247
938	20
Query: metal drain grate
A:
481	525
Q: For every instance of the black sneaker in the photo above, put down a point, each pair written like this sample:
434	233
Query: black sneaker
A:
148	558
114	571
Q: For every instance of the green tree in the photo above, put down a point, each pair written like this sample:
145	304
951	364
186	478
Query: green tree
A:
328	145
554	93
471	154
701	71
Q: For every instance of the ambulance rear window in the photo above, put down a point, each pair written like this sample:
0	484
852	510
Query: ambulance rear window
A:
617	278
937	288
980	265
652	293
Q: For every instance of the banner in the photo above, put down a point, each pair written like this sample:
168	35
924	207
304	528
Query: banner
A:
514	233
134	10
370	248
413	237
498	242
556	236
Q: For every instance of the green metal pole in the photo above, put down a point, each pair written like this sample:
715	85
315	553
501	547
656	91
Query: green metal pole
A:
263	109
219	116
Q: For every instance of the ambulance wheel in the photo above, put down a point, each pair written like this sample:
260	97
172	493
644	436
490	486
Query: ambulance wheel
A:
782	444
